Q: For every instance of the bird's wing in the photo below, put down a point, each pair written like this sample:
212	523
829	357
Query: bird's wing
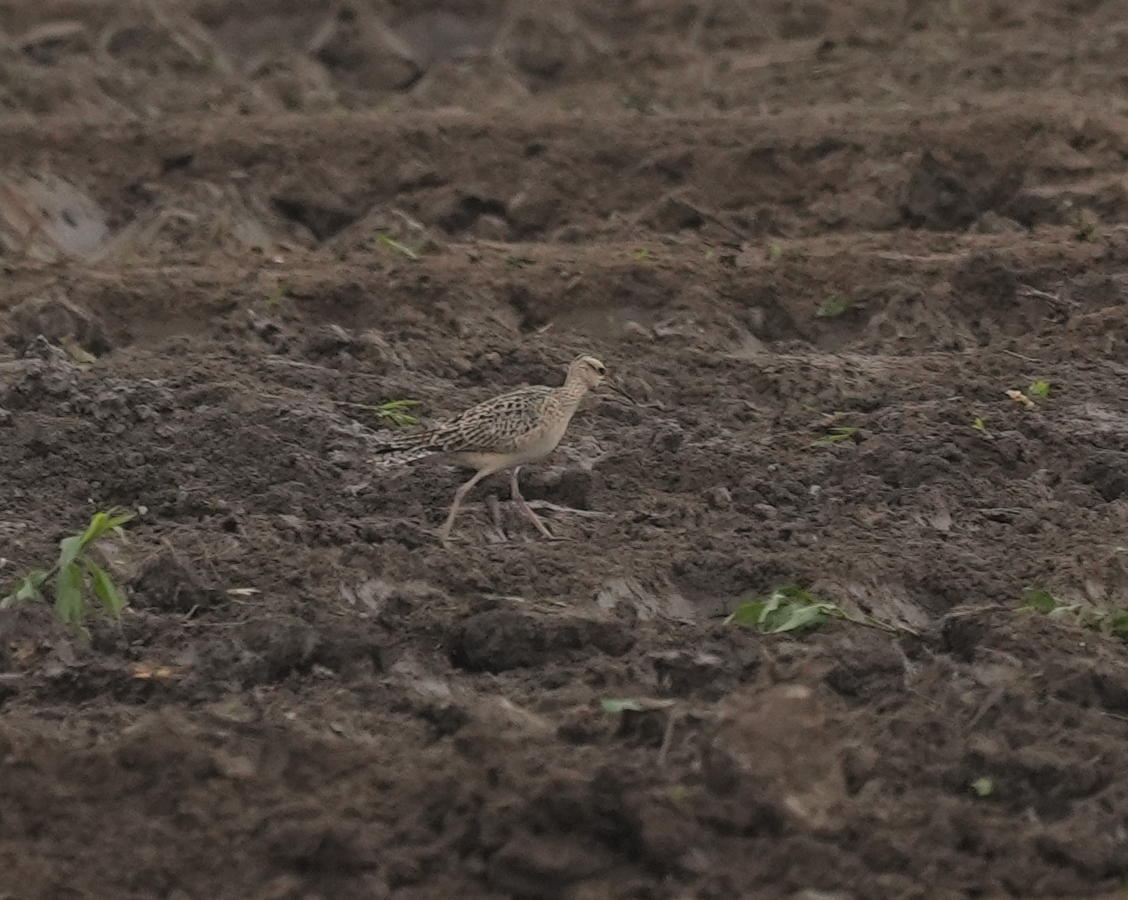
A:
496	425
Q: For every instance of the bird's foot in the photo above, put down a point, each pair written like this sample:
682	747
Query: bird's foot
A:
553	507
537	521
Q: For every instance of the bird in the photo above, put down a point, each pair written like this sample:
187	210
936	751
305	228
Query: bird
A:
505	432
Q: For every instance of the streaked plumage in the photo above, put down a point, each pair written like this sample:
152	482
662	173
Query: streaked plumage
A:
505	432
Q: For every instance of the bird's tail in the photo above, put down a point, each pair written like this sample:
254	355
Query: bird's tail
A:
404	449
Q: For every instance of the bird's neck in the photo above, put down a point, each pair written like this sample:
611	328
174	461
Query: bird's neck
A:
572	392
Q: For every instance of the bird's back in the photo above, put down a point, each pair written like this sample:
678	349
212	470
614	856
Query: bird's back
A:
507	424
497	425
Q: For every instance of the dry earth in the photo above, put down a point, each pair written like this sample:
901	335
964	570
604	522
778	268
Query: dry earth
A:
818	242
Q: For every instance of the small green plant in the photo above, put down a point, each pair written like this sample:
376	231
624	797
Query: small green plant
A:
983	787
979	424
1086	226
775	251
1039	389
76	577
1109	620
280	292
642	254
1039	600
633	704
785	609
792	608
832	307
391	413
836	435
392	243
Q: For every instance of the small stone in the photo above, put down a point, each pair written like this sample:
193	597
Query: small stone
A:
719	497
232	766
58	319
668	439
490	228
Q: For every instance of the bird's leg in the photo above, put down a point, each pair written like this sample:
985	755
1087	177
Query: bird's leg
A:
459	495
495	515
526	509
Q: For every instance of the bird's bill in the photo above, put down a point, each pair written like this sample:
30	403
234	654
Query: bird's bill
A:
620	391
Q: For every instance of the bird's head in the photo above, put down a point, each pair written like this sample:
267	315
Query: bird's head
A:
588	370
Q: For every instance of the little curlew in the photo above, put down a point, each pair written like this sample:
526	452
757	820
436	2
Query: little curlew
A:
505	432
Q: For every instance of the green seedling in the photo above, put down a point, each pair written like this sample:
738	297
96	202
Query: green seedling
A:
391	413
1039	600
786	609
1116	623
398	247
775	251
1085	226
1108	620
983	787
642	254
76	580
979	424
795	609
76	351
1039	389
837	435
832	307
280	292
630	704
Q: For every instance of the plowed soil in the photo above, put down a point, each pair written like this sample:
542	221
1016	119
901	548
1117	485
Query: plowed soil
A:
818	243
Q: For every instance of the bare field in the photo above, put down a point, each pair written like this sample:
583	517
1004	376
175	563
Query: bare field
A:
818	242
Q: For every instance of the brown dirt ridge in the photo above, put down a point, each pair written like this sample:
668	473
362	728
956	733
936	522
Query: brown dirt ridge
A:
818	243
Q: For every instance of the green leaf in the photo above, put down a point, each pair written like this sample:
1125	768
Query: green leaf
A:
69	548
1039	389
751	614
397	246
787	609
799	618
832	307
798	594
1039	600
393	411
102	524
27	588
68	594
628	704
95	529
1117	624
983	787
105	588
837	435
